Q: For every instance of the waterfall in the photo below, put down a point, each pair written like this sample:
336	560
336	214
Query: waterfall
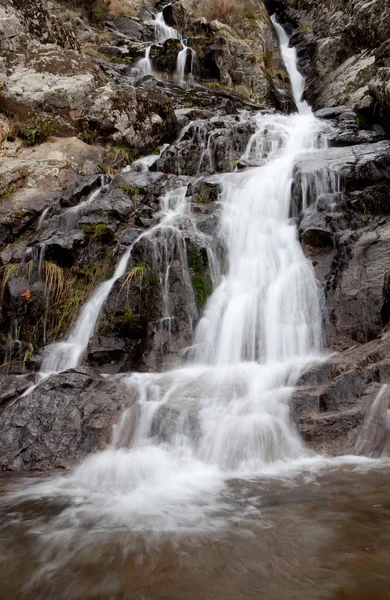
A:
66	355
290	60
143	66
182	62
162	31
71	216
225	412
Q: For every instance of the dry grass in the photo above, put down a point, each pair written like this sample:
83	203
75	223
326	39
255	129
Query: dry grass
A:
116	8
65	291
231	12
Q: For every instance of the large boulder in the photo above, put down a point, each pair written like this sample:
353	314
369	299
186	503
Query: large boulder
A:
59	423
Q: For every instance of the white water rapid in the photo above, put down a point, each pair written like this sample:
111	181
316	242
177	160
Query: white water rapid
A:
224	414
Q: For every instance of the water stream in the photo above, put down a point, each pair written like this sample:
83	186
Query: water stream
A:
180	494
185	58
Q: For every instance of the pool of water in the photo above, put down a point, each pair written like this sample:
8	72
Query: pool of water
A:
309	535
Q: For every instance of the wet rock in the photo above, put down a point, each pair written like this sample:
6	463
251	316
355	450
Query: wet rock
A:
332	399
62	421
105	350
315	231
342	47
164	58
206	147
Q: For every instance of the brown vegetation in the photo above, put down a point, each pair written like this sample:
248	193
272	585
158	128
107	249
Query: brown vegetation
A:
231	12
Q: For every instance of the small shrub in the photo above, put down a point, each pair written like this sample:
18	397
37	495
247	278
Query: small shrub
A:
35	130
87	134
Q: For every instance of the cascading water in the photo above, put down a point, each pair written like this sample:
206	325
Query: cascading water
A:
224	414
163	31
185	59
144	66
290	59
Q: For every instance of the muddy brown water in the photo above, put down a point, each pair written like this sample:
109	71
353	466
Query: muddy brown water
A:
308	537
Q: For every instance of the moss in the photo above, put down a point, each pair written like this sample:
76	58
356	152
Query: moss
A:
127	314
95	53
124	152
99	232
105	325
201	289
132	190
208	195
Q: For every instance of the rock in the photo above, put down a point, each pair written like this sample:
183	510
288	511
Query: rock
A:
206	147
333	398
361	308
24	21
164	58
342	47
315	231
63	420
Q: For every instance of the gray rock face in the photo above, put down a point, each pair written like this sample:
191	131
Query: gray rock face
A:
60	422
343	48
333	398
346	235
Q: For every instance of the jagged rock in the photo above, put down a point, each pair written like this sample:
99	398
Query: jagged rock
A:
23	21
34	180
342	47
63	420
315	231
164	58
207	147
332	399
348	129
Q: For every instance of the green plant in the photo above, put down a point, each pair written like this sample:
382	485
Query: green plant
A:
36	130
132	190
98	231
87	135
201	289
127	313
138	272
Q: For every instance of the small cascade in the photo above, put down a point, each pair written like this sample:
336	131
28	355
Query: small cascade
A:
38	257
144	66
43	216
314	185
375	431
141	165
185	65
66	355
162	31
185	59
290	59
71	216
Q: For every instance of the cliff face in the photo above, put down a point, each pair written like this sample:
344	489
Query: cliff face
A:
79	102
344	51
